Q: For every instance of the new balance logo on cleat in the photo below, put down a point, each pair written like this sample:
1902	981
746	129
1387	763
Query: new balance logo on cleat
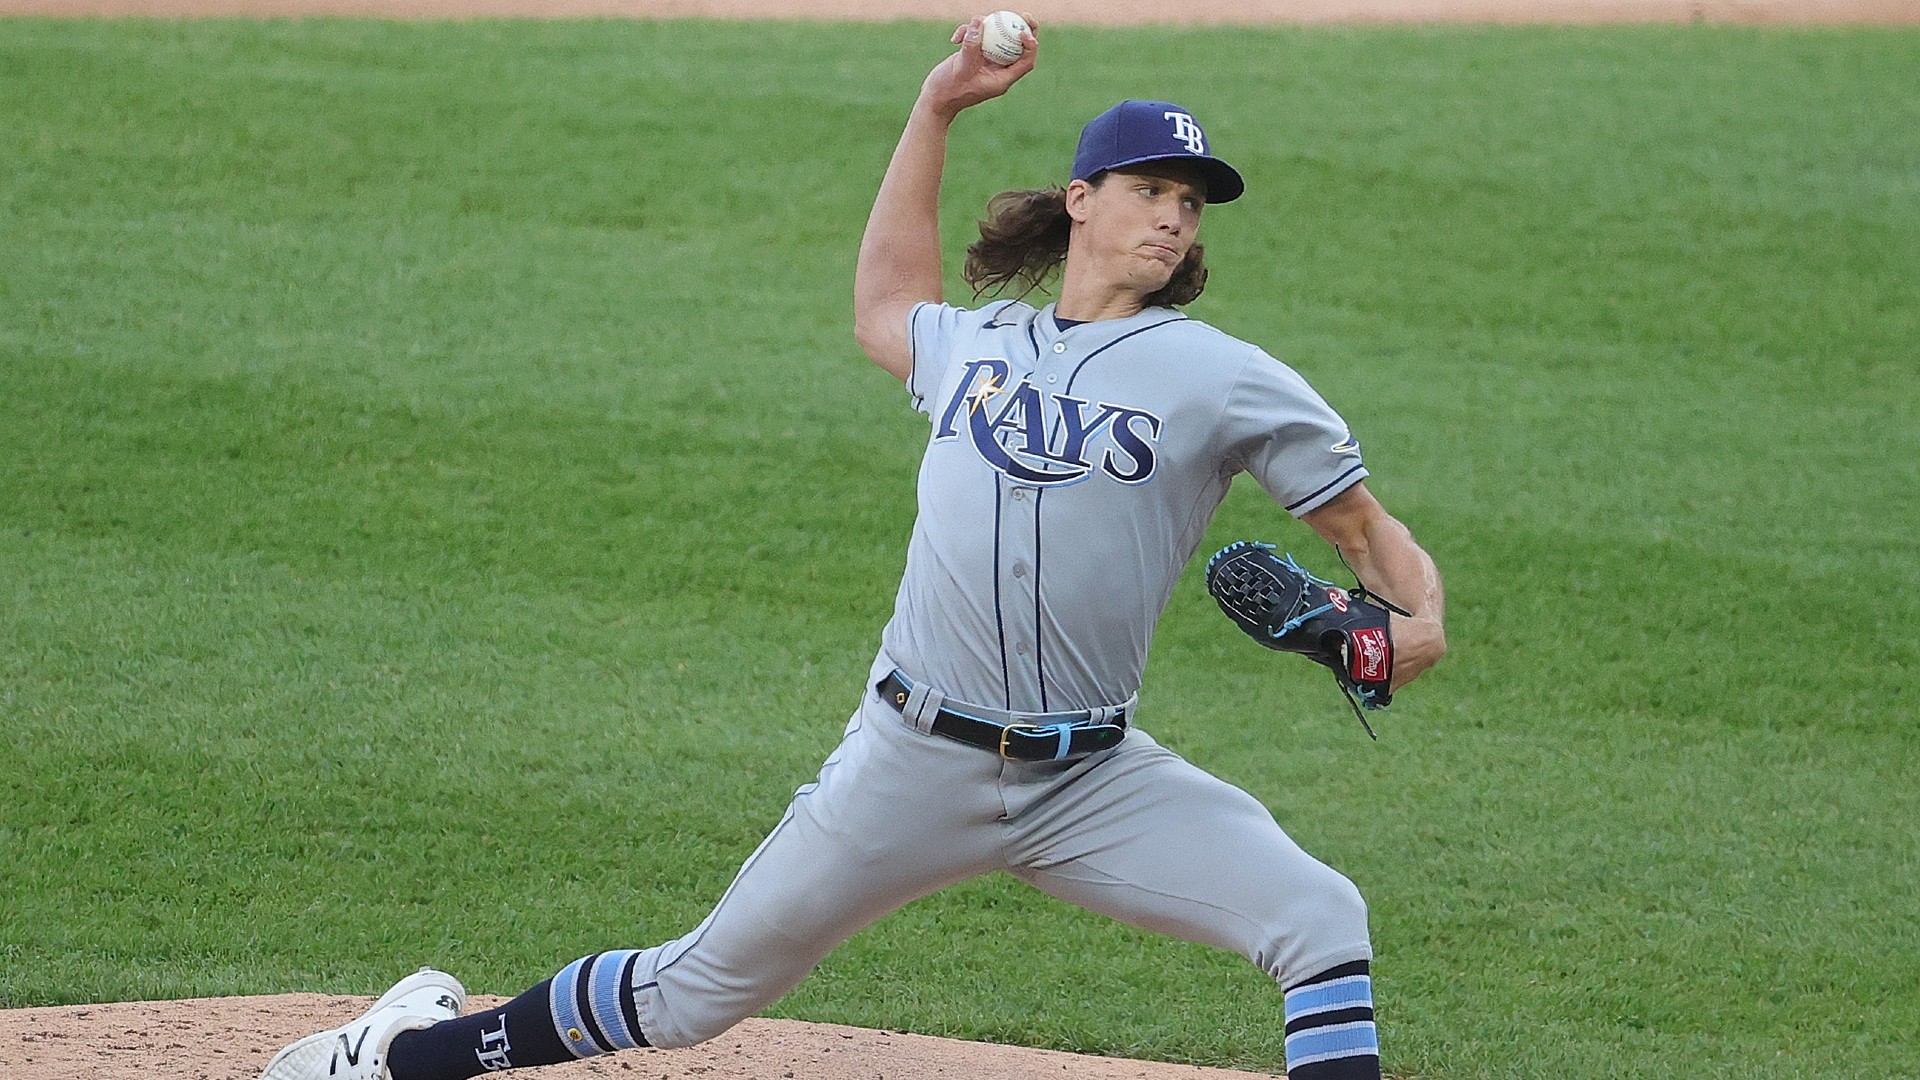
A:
357	1050
352	1050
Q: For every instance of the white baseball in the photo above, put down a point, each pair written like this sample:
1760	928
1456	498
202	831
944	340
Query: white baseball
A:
1000	37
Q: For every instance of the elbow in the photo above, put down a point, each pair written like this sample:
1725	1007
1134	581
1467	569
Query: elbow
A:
881	334
866	334
1418	644
1439	645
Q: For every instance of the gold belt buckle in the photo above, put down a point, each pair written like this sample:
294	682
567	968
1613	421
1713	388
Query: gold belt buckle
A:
1006	733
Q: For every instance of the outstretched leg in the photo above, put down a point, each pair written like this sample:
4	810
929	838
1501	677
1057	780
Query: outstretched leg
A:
894	815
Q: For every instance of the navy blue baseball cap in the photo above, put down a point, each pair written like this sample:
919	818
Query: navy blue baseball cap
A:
1136	132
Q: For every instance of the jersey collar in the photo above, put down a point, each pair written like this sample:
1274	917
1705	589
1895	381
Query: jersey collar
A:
1086	337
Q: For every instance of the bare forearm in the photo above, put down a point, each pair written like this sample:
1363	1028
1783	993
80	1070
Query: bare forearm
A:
1392	564
1386	558
900	251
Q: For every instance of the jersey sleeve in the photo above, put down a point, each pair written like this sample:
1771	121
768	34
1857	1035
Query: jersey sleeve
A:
1288	438
932	330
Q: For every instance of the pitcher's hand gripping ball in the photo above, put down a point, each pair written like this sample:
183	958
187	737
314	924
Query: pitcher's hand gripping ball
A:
1283	607
1000	37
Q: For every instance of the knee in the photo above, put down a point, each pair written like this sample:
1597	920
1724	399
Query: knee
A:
1323	922
1332	909
1346	909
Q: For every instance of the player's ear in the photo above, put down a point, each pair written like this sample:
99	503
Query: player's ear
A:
1079	193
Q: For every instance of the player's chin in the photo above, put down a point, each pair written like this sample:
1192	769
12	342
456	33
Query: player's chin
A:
1153	274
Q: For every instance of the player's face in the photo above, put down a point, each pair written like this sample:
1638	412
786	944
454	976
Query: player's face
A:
1140	222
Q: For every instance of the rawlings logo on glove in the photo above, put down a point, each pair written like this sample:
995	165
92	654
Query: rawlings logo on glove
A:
1283	607
1372	653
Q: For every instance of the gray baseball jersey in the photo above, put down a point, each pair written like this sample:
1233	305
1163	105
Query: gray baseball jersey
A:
1068	478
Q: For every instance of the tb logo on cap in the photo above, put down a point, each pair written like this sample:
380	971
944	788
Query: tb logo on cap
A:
1186	131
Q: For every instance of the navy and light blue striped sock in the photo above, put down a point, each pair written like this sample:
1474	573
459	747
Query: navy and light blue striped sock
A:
584	1011
1330	1032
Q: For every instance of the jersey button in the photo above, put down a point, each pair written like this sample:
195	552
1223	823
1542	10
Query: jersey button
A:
1053	378
1019	569
1020	493
1059	346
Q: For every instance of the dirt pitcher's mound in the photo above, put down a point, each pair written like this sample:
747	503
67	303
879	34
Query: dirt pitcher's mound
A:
232	1038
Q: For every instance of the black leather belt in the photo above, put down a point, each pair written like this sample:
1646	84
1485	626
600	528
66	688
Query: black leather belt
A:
1059	741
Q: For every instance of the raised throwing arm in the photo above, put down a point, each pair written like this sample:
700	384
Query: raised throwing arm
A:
899	262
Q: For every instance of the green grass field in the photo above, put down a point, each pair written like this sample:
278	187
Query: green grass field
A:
443	515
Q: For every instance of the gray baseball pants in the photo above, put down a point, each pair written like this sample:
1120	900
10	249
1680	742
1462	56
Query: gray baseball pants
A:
1136	833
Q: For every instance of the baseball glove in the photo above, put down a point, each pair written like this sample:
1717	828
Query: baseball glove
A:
1285	608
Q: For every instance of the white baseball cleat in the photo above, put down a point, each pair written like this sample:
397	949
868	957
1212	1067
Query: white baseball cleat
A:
358	1051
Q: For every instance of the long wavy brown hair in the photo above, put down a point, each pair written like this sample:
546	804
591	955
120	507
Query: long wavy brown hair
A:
1023	240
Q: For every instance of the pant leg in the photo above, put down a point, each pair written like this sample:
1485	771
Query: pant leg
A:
1146	837
895	815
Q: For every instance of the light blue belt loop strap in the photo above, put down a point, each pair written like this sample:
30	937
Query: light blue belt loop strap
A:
1065	732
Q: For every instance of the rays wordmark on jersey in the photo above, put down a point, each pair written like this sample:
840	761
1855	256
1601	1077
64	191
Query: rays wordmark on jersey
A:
1046	439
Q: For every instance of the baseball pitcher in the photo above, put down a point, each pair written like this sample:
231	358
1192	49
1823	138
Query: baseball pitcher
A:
1074	457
